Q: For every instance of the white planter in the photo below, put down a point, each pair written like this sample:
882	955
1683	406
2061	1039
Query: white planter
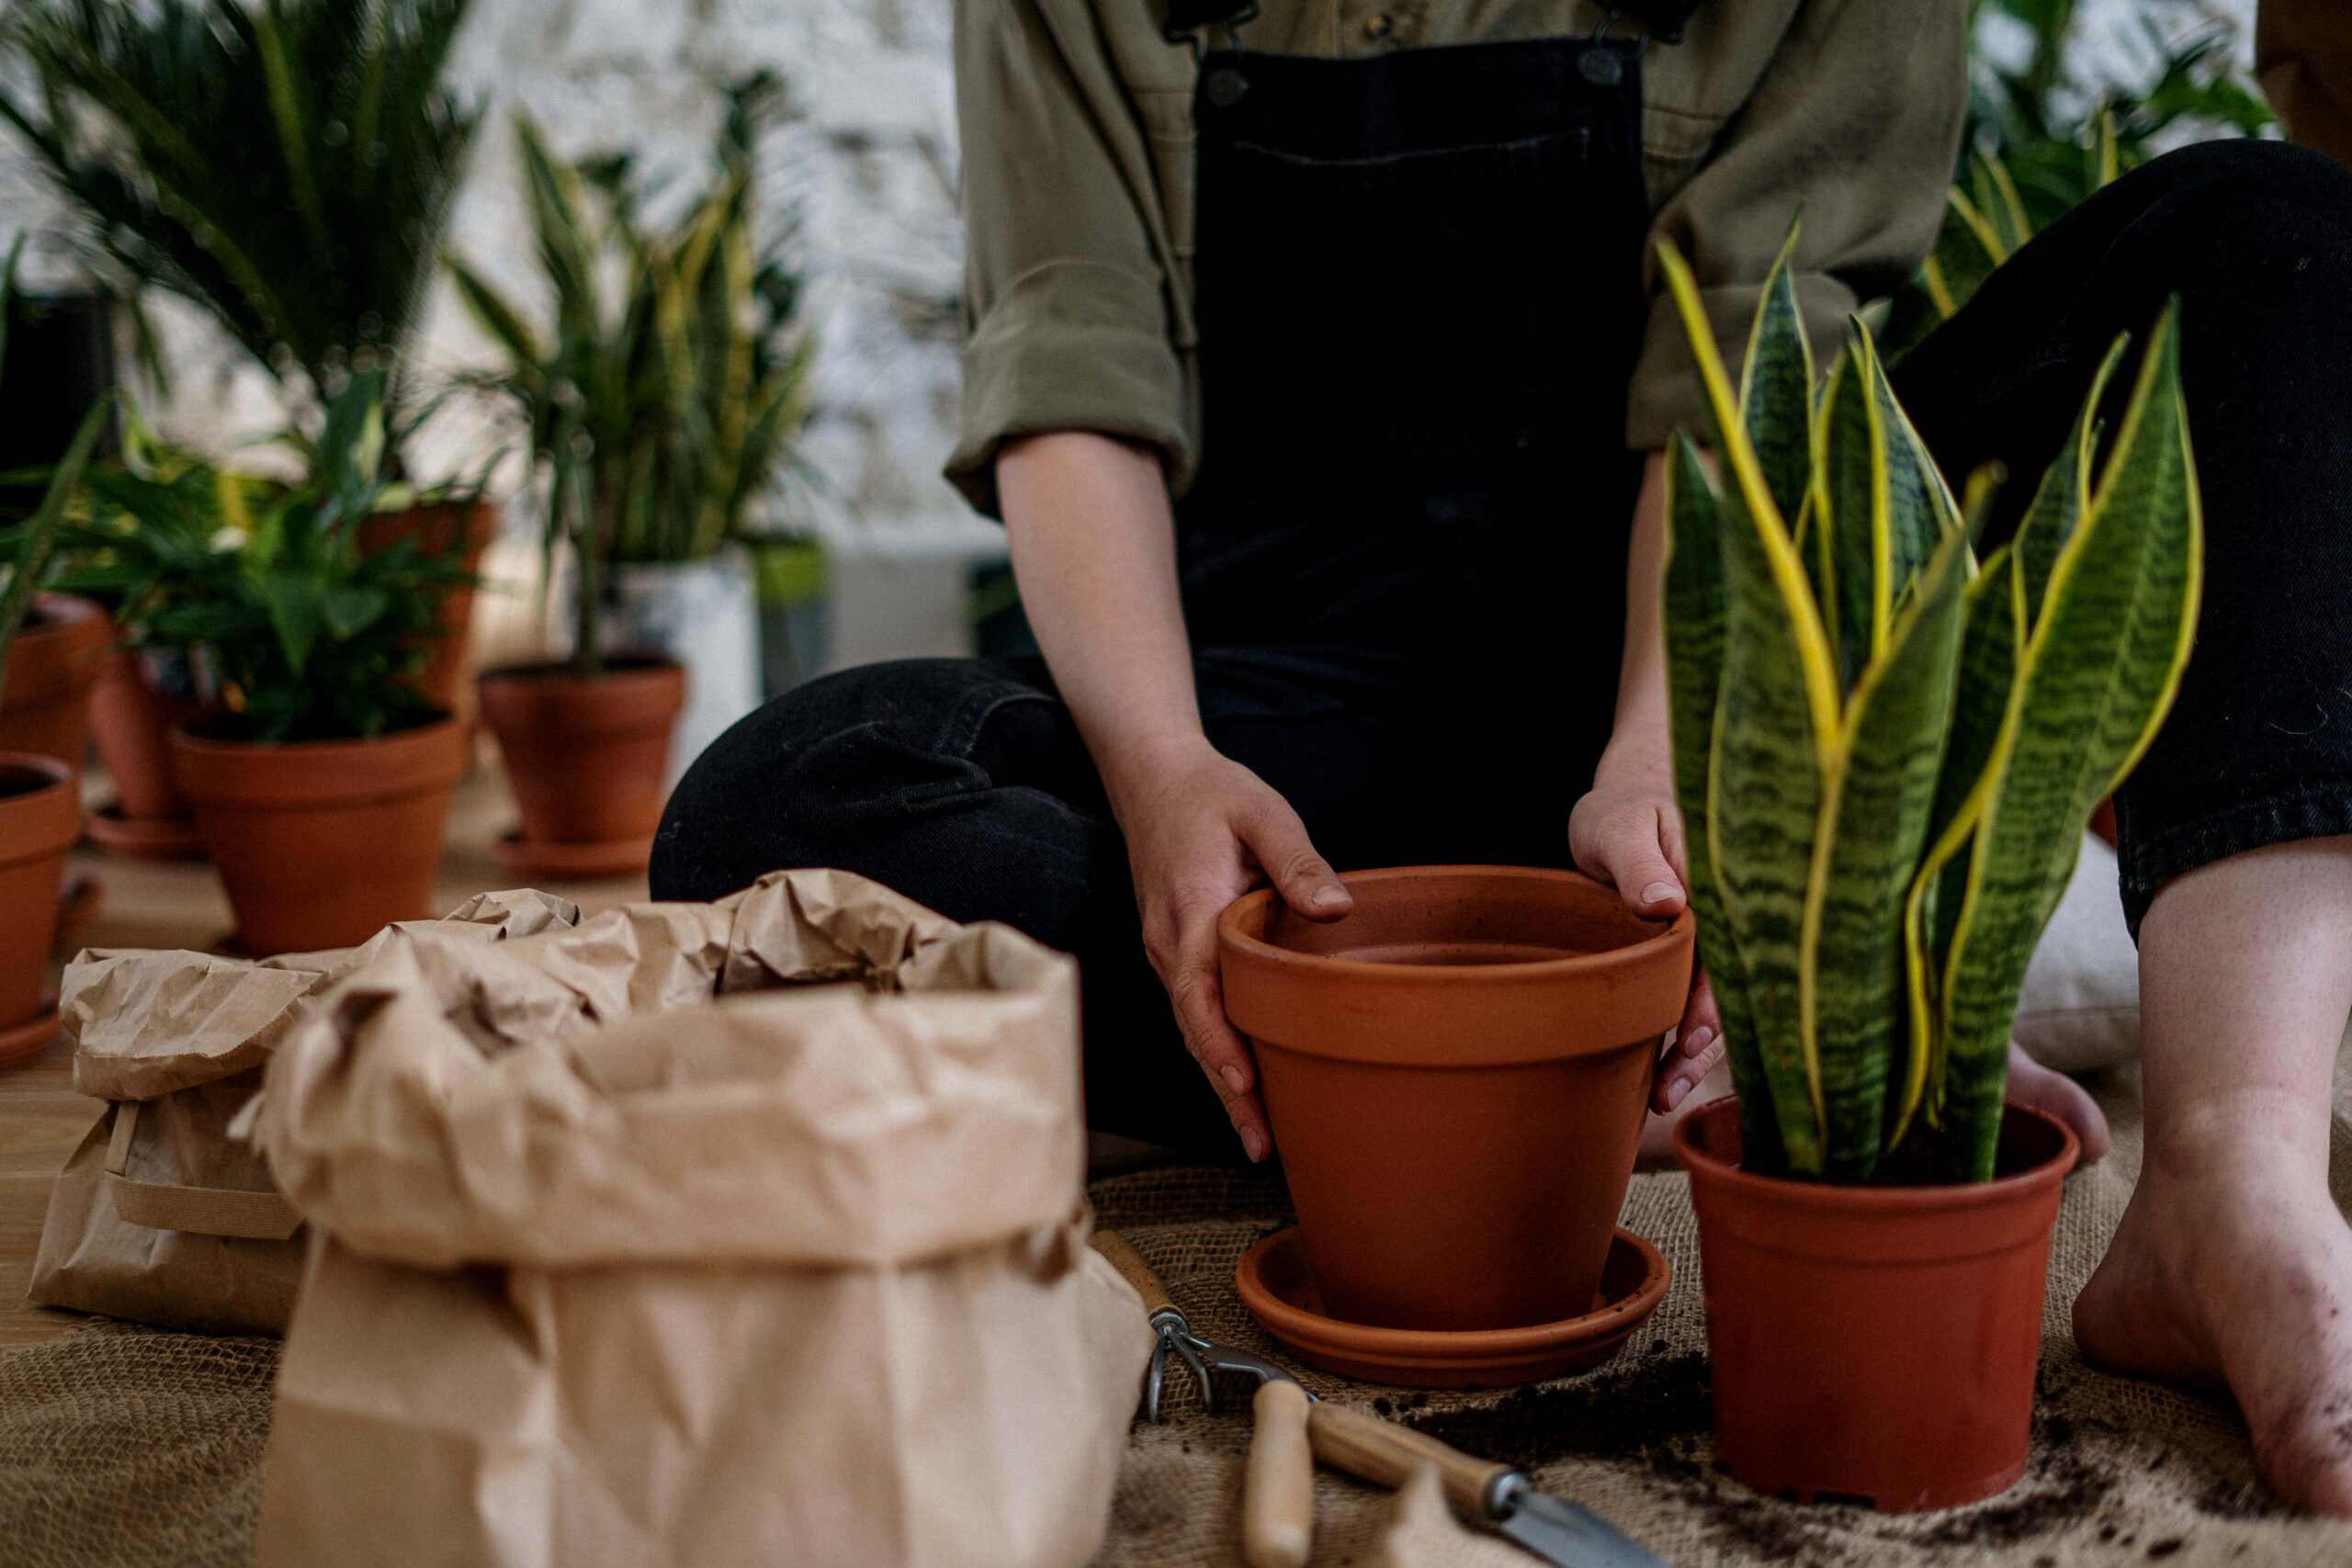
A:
705	616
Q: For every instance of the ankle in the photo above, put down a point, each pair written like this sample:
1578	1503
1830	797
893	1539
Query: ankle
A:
2257	1139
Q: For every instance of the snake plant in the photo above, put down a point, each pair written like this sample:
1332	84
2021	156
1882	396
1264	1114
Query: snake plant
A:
1885	748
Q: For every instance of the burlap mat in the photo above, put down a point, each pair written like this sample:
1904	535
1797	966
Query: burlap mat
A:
122	1445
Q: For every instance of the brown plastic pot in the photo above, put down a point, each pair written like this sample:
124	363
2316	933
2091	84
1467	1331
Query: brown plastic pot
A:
323	843
40	816
1456	1074
132	722
1874	1344
52	666
585	754
452	531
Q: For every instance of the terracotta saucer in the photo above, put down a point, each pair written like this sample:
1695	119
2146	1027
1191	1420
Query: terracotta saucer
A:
622	857
79	902
145	838
1281	1296
23	1042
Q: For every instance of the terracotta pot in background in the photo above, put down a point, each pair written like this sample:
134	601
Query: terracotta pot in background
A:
1456	1074
586	756
56	660
449	530
40	816
323	843
1874	1344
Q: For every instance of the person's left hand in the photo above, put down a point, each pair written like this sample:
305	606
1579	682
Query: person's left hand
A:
1628	833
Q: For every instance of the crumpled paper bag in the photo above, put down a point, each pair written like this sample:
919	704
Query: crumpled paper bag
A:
748	1232
161	1215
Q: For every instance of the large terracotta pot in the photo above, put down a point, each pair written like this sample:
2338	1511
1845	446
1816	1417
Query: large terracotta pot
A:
52	665
323	843
452	531
1456	1074
132	718
586	753
1874	1344
40	816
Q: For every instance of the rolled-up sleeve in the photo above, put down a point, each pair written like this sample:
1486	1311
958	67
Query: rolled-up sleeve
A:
1066	296
1856	123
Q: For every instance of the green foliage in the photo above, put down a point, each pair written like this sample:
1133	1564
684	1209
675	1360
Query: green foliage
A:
2043	136
657	412
1884	750
286	164
309	634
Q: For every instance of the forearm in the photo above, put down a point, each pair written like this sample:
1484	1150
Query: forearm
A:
1639	744
1093	544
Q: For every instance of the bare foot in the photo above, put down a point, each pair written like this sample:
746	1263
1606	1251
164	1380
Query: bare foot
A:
2234	1280
2030	1081
2054	1093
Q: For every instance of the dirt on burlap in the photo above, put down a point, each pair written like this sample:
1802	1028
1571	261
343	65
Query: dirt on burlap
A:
122	1446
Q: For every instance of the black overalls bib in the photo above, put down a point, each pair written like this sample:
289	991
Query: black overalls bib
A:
1419	303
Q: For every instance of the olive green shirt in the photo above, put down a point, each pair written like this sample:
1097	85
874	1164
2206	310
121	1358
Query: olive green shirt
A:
1078	144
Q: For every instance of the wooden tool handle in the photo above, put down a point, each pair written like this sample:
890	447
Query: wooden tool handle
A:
1134	1270
1278	1489
1381	1451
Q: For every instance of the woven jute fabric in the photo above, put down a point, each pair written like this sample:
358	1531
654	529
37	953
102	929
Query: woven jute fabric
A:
122	1446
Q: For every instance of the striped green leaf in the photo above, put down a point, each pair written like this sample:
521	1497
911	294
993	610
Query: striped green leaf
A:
1776	387
2064	492
1694	651
2099	669
1879	787
1777	721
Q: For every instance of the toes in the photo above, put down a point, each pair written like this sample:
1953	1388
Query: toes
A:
2054	1093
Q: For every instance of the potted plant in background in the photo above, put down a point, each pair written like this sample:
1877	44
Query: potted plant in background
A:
288	169
322	780
1886	750
40	803
660	411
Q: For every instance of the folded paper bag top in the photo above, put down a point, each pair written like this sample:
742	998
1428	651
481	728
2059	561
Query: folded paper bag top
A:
146	1024
815	1071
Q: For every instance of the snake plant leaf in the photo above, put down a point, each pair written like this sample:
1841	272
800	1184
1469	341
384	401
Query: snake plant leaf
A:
2099	669
1694	625
1879	787
2064	494
1849	526
1992	641
1778	718
1776	386
1966	251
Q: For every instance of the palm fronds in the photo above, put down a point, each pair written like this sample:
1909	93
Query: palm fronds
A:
287	165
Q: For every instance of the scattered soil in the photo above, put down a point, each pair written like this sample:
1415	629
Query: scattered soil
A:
1628	1416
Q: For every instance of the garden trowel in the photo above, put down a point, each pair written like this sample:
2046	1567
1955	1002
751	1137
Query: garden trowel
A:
1494	1496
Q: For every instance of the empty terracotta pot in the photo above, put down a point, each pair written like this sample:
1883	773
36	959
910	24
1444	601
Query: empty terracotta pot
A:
40	816
1874	1344
1456	1074
132	720
52	665
454	530
585	753
323	843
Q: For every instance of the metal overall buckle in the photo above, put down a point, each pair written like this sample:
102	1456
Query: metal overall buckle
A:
1603	66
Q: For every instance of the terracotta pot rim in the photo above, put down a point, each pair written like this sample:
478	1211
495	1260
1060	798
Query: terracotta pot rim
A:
45	819
1834	1196
184	735
631	665
1635	954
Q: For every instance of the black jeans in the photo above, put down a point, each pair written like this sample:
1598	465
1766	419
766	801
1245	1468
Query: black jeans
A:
964	784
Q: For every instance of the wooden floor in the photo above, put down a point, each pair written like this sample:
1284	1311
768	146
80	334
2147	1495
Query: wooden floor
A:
153	905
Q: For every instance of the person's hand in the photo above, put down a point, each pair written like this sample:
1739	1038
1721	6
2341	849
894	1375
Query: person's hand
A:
1628	833
1201	829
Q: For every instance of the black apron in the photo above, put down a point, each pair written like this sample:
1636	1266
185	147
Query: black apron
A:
1419	305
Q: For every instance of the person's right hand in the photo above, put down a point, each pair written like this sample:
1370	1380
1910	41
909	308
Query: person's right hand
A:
1201	829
